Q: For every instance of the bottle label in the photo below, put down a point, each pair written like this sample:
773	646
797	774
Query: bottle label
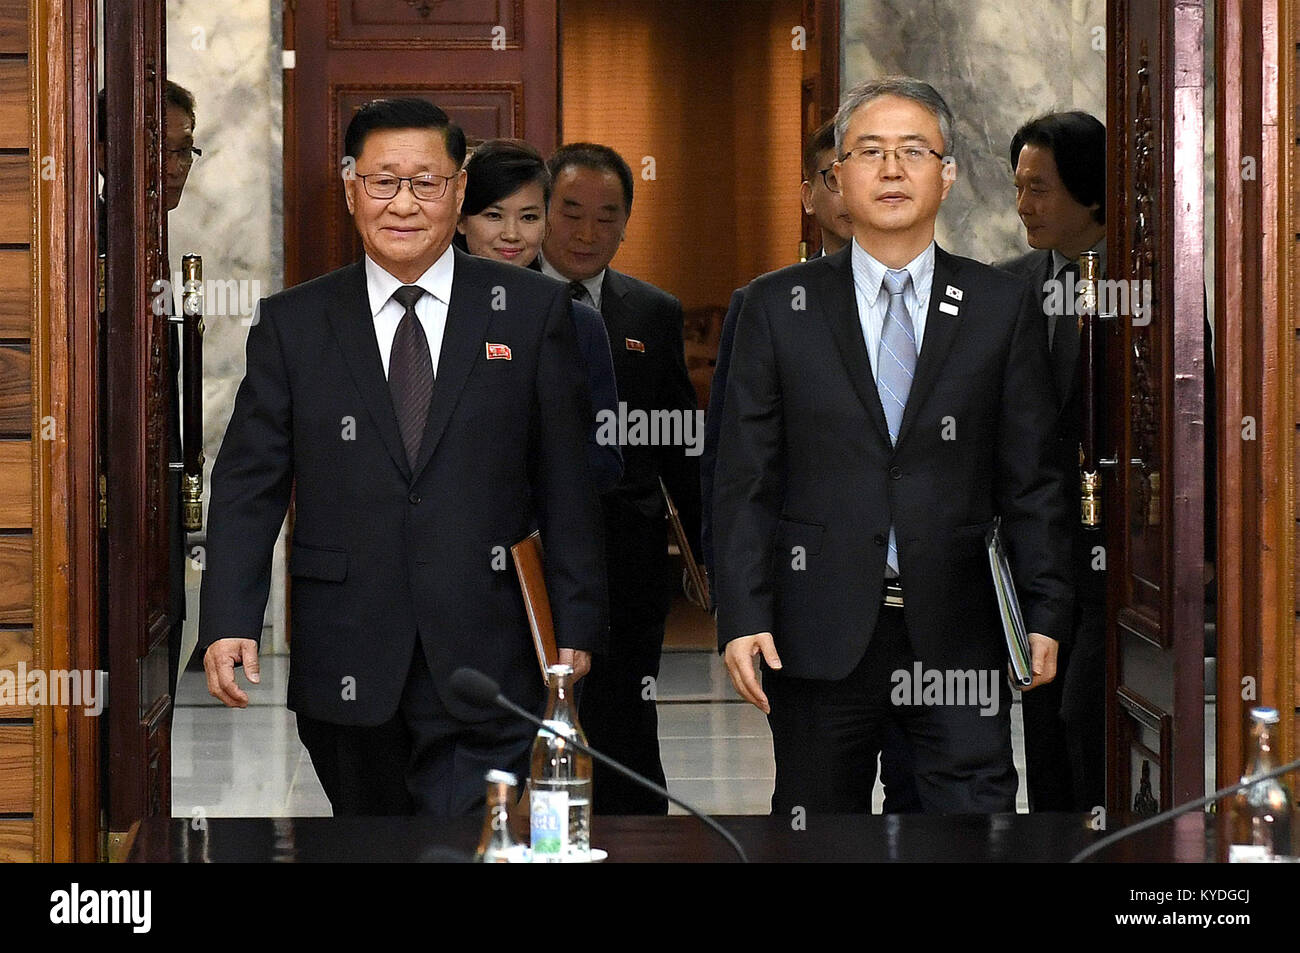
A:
1248	854
549	825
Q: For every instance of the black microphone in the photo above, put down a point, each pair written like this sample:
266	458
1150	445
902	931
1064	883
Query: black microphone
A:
471	685
1181	809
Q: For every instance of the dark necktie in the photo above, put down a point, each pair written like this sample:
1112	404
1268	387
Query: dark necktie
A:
578	291
410	373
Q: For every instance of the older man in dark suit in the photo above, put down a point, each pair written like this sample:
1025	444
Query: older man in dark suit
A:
886	405
427	409
591	200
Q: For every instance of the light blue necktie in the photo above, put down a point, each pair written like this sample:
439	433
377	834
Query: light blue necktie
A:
895	365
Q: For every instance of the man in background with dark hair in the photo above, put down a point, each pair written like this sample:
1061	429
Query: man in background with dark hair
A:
1059	162
427	408
591	199
821	198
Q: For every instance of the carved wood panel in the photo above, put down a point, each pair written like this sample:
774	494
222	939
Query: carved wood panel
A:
1155	425
426	24
493	66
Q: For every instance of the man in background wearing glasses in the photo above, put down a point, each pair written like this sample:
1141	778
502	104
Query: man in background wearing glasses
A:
885	404
427	409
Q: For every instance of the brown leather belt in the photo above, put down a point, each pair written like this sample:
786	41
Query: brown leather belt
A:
894	593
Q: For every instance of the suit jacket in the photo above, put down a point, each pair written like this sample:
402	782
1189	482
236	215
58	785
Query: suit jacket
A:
808	484
384	553
645	336
713	421
605	459
1090	584
713	424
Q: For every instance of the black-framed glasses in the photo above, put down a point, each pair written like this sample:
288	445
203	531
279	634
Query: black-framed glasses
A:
186	154
385	185
828	178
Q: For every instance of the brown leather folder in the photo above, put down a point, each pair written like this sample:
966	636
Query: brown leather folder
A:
697	581
527	555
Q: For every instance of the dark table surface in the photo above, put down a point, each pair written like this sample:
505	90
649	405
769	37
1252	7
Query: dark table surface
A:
914	838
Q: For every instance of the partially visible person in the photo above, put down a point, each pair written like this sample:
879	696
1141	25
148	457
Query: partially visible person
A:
1059	162
820	194
178	157
504	217
590	205
826	205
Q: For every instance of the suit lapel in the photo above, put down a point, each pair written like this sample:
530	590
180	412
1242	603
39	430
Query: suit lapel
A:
841	309
349	315
468	314
1065	347
612	291
940	330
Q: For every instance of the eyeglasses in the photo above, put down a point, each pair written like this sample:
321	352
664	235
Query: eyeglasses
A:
426	188
185	155
910	157
828	179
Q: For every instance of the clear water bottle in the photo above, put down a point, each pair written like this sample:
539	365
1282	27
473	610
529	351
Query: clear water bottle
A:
497	843
560	780
1261	828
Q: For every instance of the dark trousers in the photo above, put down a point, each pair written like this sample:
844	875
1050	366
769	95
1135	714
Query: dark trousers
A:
617	699
1047	750
1083	709
897	774
1065	724
420	761
826	737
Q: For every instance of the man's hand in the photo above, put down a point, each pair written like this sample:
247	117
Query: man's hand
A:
1042	653
219	665
740	654
578	659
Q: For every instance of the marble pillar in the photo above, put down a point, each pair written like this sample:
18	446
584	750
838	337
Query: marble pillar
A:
997	65
229	56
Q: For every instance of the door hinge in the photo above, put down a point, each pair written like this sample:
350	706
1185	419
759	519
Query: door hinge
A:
101	270
103	501
288	59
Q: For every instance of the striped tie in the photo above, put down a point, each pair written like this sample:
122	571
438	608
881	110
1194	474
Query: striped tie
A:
895	366
410	373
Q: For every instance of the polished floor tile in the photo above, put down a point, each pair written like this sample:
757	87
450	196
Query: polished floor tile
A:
716	749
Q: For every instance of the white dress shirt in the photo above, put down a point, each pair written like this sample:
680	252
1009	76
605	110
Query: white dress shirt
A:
431	309
592	284
873	298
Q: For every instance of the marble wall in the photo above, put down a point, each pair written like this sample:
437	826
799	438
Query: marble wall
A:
997	65
229	56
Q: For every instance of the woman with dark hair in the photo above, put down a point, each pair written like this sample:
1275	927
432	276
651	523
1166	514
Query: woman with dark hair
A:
506	193
504	217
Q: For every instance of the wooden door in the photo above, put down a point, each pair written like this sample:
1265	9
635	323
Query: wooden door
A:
491	65
820	96
138	390
1156	422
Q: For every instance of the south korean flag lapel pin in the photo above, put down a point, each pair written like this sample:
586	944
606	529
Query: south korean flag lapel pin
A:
956	294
